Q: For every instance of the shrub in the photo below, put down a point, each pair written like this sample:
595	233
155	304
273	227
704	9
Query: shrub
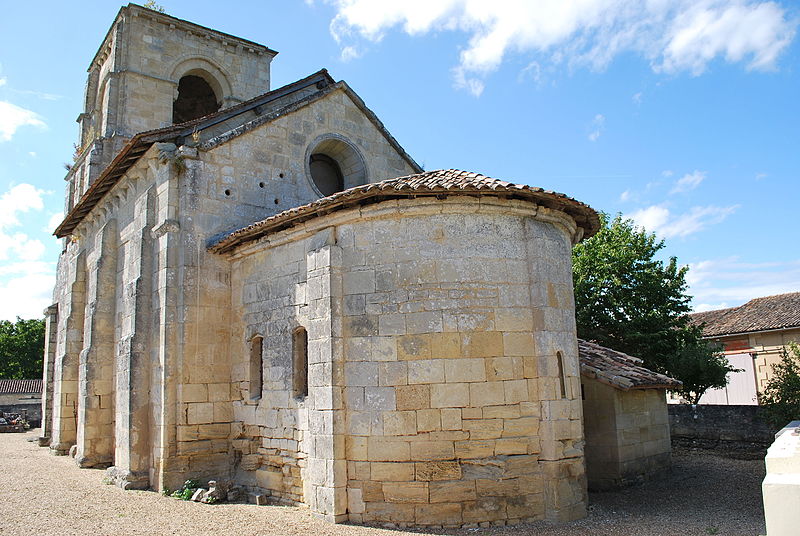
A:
781	396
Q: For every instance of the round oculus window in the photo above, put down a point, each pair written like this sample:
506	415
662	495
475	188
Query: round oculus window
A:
326	173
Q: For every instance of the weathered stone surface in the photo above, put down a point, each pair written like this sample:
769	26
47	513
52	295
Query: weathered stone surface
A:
393	360
427	471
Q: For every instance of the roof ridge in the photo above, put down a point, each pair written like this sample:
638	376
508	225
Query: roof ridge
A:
764	313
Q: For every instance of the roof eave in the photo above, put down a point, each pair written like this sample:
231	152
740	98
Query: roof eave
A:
141	142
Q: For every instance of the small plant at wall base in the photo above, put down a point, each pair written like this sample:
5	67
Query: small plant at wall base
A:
781	396
185	493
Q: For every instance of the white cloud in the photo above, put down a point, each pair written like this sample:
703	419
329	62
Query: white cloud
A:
598	124
658	219
674	36
473	85
688	182
13	117
532	71
26	296
735	30
350	53
761	176
20	198
17	200
624	196
20	246
667	173
39	94
730	282
26	282
3	82
53	222
637	98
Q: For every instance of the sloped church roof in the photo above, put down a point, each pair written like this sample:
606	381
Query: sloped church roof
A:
221	127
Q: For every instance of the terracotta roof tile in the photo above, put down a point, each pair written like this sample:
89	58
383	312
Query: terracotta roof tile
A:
619	370
20	386
760	314
429	183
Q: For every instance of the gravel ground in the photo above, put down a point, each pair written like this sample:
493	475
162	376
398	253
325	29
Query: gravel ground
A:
42	494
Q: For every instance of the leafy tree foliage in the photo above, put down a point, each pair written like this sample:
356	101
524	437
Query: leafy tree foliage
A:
781	396
21	348
700	366
627	299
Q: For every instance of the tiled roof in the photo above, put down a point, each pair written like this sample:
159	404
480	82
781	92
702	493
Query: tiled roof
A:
760	314
20	386
428	184
619	370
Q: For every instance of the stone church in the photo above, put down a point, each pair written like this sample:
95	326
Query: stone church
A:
262	285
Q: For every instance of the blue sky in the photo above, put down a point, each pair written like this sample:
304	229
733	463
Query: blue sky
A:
683	115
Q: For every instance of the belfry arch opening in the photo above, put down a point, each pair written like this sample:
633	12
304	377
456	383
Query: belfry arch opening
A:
196	98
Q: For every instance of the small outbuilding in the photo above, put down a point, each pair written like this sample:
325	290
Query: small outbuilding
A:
22	397
626	423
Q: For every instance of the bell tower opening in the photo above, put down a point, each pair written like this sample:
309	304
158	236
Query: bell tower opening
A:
196	98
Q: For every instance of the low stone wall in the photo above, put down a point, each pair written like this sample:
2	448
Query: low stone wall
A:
34	412
737	430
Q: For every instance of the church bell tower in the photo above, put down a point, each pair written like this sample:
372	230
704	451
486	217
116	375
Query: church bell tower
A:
153	70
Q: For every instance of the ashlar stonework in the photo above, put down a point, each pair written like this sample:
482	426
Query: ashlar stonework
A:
275	293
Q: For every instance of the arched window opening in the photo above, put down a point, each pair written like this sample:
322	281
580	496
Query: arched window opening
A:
300	362
256	367
561	379
195	99
334	164
326	173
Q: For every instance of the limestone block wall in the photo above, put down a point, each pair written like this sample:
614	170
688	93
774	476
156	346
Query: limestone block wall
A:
145	55
627	435
436	396
453	407
104	362
264	171
133	81
287	444
227	186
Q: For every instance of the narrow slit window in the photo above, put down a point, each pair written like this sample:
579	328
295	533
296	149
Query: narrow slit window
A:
561	379
256	367
300	362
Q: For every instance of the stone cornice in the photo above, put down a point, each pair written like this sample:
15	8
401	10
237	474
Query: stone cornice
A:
135	10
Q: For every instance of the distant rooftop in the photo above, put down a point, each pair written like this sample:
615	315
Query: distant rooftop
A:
20	386
760	314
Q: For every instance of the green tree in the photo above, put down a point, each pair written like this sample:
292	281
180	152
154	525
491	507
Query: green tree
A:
627	299
700	366
781	396
21	348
